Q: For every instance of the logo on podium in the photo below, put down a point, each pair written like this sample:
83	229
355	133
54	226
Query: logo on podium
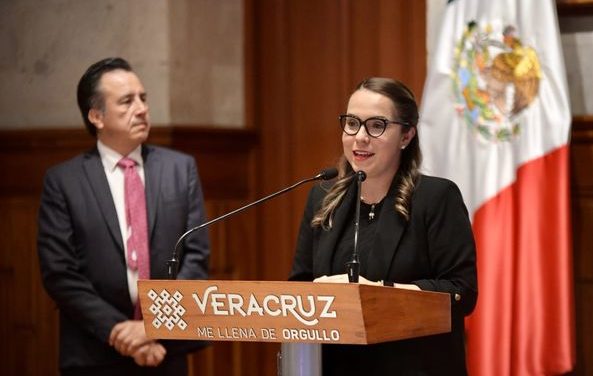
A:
167	309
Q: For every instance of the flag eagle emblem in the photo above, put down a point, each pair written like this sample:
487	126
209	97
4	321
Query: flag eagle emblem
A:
494	80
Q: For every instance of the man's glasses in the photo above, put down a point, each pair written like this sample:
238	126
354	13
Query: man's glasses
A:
374	126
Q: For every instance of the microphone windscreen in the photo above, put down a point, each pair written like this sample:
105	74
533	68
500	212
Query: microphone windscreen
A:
362	176
328	173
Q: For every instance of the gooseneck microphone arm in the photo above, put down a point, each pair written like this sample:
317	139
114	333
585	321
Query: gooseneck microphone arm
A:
173	263
353	266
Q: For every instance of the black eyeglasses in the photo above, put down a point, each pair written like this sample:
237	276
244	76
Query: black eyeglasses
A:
375	126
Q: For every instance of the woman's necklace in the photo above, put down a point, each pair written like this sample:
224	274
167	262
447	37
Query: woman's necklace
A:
372	211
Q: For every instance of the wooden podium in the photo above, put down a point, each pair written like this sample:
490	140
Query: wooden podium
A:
289	312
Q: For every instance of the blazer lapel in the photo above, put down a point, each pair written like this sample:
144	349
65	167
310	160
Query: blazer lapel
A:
98	181
328	239
390	229
152	184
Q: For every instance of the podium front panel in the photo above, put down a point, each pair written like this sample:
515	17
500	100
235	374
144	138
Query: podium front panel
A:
261	311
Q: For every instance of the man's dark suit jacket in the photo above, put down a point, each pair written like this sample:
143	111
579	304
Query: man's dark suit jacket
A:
81	250
434	250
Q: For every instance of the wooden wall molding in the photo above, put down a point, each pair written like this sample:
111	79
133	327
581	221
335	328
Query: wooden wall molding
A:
574	7
223	155
582	129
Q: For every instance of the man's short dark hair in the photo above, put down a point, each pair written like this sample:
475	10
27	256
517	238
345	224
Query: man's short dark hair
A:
88	94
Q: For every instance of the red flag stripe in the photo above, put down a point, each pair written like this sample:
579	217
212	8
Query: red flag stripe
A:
524	275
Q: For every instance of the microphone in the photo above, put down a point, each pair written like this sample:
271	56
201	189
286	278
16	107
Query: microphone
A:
173	263
353	266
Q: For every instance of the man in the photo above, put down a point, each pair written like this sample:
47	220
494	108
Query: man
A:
112	216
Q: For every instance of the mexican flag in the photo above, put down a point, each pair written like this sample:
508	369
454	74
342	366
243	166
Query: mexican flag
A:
495	119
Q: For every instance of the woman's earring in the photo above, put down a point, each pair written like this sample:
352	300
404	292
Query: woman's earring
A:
404	146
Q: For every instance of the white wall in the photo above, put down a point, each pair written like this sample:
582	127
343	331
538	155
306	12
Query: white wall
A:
577	44
434	13
45	46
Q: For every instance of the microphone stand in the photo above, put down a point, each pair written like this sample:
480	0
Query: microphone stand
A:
353	266
173	263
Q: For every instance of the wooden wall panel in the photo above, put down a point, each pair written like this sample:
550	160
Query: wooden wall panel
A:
29	320
582	218
307	57
582	223
28	316
584	324
387	38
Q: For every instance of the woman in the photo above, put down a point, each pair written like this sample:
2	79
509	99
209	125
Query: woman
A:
414	232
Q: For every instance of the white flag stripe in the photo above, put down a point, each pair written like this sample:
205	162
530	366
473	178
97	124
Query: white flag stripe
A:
483	168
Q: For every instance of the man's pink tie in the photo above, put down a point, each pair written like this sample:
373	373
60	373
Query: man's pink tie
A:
137	242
